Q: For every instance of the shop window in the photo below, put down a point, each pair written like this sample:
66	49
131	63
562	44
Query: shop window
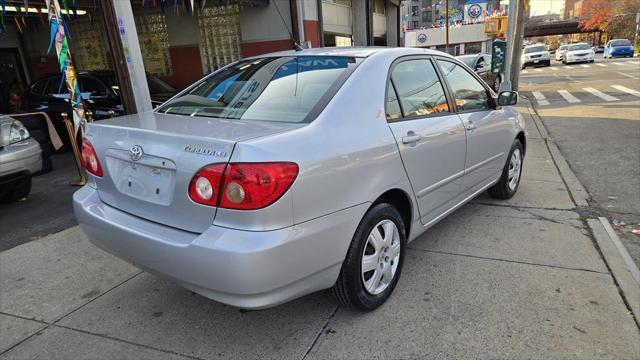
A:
379	23
336	40
219	35
153	37
88	46
473	48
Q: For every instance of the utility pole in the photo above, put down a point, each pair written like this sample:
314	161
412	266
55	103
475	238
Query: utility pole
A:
515	30
446	25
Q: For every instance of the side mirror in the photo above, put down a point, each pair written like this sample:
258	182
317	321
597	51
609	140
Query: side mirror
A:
507	98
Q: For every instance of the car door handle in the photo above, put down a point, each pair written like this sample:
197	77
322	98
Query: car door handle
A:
470	125
411	138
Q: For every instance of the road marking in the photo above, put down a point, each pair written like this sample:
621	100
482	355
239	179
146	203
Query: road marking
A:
600	94
537	70
554	68
585	65
568	67
567	96
600	64
628	75
540	98
617	63
626	89
524	72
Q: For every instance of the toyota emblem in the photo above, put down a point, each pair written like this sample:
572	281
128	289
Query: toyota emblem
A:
136	152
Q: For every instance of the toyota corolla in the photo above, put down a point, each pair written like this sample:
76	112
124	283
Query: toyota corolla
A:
284	174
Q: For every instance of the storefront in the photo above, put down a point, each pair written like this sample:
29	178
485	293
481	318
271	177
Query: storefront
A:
180	44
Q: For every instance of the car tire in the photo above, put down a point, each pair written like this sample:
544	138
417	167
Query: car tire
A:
20	191
506	186
365	291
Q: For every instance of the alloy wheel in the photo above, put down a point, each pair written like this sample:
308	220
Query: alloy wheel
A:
380	257
515	165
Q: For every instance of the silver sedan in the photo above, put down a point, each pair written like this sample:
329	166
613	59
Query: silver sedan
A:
292	172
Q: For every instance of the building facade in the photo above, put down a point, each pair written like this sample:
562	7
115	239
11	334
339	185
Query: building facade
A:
181	45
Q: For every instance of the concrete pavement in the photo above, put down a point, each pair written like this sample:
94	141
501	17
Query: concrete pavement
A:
597	132
522	278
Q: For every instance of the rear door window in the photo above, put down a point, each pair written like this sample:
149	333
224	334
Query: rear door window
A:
419	89
468	92
272	88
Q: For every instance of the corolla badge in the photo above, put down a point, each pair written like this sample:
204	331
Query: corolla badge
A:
204	151
136	152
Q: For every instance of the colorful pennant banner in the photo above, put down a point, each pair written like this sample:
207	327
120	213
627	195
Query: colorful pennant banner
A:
58	32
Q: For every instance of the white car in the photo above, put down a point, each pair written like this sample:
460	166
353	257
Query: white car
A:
580	52
560	52
534	55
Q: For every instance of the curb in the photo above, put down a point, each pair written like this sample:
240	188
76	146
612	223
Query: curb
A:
624	271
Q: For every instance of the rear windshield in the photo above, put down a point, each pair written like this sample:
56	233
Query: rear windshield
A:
579	47
271	88
533	49
620	42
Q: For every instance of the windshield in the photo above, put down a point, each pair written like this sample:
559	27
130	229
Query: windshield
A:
534	49
620	42
563	47
468	60
579	47
271	88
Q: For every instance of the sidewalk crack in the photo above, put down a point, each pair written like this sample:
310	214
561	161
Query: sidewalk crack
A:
509	261
324	326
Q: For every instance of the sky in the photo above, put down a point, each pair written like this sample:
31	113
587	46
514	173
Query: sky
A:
542	7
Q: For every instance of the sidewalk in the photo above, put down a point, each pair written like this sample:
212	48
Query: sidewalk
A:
517	279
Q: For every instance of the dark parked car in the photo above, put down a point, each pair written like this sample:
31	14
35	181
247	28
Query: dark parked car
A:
481	64
99	89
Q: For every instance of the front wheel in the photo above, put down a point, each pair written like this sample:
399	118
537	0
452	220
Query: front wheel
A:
374	260
510	178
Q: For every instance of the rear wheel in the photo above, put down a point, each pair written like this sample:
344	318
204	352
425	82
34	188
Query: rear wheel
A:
510	178
374	260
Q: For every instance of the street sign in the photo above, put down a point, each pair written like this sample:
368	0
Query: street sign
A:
498	55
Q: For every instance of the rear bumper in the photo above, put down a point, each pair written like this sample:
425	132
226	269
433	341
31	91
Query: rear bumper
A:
247	269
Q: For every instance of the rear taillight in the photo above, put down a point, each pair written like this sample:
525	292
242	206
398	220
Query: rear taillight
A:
90	159
242	186
204	185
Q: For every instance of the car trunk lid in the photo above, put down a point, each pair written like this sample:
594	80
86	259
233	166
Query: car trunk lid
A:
149	160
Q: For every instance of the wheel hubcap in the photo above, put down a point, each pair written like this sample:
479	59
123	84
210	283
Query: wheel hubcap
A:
380	257
515	165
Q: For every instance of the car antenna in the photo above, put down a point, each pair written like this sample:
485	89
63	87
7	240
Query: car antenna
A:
295	43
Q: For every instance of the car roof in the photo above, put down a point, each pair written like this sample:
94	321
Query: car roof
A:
356	51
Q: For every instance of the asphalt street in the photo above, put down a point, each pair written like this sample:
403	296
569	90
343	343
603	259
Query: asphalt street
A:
592	112
46	210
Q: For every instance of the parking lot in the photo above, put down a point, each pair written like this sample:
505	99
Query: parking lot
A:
525	278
